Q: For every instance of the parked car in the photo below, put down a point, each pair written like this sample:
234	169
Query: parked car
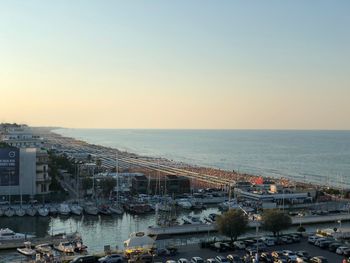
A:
269	241
239	244
210	260
295	237
290	255
340	250
325	244
266	258
333	246
114	258
221	259
287	239
276	254
182	260
219	247
85	259
312	239
318	259
197	260
303	254
234	258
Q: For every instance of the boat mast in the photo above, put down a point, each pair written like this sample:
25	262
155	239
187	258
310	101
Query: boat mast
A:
117	174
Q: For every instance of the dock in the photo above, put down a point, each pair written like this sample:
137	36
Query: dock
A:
206	228
52	240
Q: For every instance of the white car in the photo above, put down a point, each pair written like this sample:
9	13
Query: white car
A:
183	260
291	255
340	250
114	258
269	241
211	260
312	239
239	244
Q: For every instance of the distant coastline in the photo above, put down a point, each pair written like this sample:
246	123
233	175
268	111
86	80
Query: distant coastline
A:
200	168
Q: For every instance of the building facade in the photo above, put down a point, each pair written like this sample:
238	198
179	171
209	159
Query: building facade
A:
28	174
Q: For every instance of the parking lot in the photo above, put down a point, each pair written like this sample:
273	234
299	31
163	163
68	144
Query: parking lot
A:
194	250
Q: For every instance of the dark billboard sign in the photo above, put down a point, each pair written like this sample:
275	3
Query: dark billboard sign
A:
9	166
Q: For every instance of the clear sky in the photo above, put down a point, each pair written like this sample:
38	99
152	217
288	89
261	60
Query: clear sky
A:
176	64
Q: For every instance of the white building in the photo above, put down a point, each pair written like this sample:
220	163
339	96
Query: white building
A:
33	170
20	136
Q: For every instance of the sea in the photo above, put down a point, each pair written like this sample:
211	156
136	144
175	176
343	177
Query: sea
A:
320	157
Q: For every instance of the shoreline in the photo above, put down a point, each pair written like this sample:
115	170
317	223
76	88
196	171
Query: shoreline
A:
53	138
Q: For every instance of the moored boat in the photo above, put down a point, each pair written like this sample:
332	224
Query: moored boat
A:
116	209
64	209
7	234
104	210
43	248
19	211
193	220
27	249
53	210
65	247
76	209
31	211
43	211
9	211
91	209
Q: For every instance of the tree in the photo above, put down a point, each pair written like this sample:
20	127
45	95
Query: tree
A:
275	221
232	224
87	183
107	185
98	164
301	229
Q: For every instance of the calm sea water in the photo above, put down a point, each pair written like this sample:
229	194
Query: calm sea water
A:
321	157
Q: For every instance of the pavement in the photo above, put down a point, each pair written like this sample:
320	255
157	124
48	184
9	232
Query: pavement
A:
190	251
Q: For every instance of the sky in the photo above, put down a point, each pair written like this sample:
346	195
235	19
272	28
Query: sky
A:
184	64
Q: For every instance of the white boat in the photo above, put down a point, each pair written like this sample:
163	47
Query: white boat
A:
184	203
76	209
64	209
31	211
193	220
90	209
43	248
232	204
9	211
7	234
27	249
43	211
53	210
19	211
116	209
65	247
164	207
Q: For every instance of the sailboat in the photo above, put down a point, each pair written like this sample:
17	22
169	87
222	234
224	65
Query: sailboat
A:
9	211
20	211
75	208
31	211
43	211
116	208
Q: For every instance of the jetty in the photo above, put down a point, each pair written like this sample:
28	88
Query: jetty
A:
51	240
206	228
